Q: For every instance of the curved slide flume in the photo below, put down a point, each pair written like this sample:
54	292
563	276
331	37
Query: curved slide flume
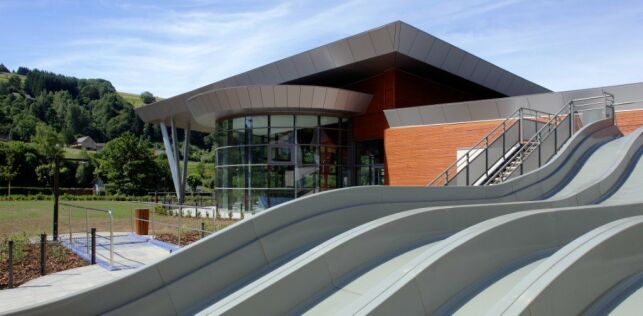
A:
612	251
504	249
205	272
337	271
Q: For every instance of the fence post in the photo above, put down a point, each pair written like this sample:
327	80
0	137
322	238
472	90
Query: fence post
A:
202	229
93	245
179	226
10	263
43	253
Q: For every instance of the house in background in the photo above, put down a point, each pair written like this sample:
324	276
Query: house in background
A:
87	143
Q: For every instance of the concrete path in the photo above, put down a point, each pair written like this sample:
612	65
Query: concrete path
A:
130	253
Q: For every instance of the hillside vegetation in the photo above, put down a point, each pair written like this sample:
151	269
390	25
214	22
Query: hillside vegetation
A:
42	113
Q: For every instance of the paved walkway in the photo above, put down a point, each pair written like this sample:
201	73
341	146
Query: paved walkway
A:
130	253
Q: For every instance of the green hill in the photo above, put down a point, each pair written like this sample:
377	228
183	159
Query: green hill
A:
133	99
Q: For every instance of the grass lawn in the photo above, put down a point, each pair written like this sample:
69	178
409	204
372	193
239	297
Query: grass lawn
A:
35	217
4	76
76	153
132	98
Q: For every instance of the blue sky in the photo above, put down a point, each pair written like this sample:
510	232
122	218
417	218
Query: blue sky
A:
169	47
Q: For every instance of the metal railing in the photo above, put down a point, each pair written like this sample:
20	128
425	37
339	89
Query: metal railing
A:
87	230
550	138
154	221
474	165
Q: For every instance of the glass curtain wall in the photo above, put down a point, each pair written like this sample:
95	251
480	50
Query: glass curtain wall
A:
265	160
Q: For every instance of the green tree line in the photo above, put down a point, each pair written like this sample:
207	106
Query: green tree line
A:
41	112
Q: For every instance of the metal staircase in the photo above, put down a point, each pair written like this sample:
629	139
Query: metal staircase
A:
523	142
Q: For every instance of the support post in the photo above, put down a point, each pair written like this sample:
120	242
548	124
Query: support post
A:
186	153
43	253
169	152
56	195
93	245
10	265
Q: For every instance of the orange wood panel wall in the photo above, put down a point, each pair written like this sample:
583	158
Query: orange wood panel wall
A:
628	121
416	155
371	125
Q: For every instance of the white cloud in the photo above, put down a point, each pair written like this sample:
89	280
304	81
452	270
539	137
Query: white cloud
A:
170	51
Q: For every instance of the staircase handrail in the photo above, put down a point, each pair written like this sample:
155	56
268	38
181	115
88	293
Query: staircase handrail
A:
485	140
539	137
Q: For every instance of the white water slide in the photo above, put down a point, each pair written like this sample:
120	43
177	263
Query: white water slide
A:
510	248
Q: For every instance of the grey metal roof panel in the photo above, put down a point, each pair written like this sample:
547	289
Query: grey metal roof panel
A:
394	37
501	108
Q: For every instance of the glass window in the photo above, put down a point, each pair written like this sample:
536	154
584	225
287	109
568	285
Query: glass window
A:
328	121
260	136
259	176
258	154
329	137
281	135
259	121
280	154
282	120
281	176
277	197
238	123
327	177
307	177
237	137
307	136
259	200
328	155
307	121
308	155
262	161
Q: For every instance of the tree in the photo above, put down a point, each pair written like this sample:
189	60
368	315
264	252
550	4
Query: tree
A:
23	71
4	68
85	173
15	84
24	126
147	97
127	166
48	141
9	170
193	181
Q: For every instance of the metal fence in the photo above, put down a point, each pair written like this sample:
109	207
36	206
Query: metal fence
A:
180	216
78	240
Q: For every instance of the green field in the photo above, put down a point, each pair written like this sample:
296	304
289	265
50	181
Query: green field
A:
35	217
132	98
4	76
75	153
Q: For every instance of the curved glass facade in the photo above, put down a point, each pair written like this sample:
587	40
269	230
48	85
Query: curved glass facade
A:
265	160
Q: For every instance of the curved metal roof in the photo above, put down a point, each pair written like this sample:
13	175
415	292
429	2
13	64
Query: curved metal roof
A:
397	38
208	106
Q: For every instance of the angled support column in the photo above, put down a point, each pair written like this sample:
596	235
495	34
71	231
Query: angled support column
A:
186	155
171	159
179	175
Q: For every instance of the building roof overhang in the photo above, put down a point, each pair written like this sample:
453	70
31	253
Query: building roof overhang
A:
209	106
396	44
